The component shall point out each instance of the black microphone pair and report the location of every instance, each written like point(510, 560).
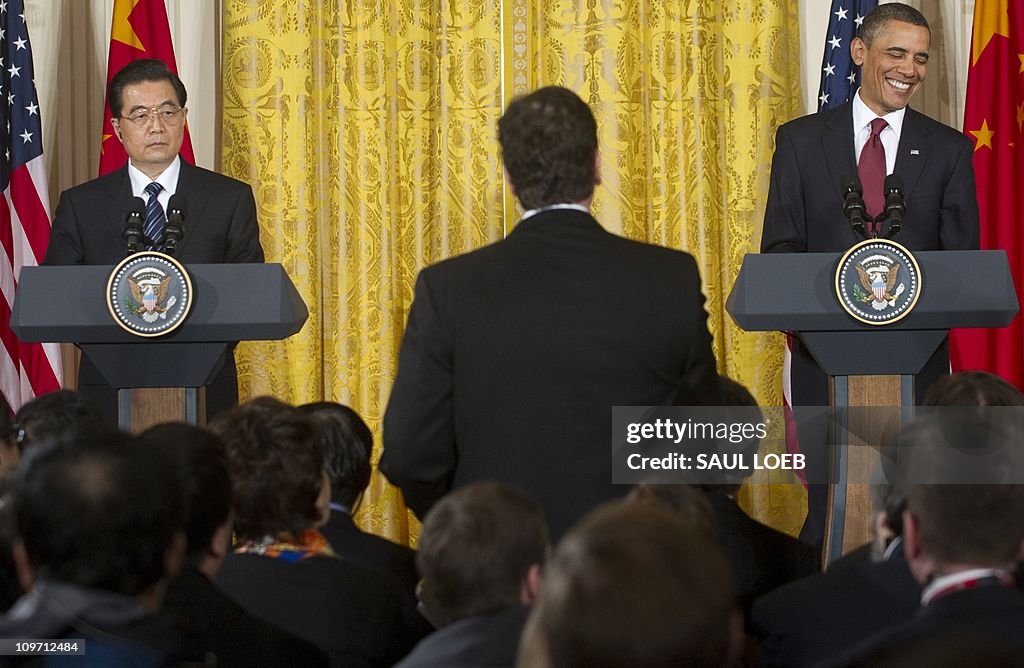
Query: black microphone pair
point(895, 205)
point(174, 231)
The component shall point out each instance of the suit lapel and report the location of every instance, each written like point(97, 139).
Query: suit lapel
point(838, 146)
point(190, 186)
point(912, 153)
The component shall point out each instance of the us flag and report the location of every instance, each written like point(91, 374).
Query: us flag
point(26, 369)
point(839, 76)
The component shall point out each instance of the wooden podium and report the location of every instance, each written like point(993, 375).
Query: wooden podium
point(232, 302)
point(869, 394)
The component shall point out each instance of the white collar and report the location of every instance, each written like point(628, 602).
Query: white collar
point(951, 581)
point(551, 207)
point(862, 116)
point(168, 178)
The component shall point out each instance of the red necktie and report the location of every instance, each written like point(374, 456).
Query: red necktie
point(871, 169)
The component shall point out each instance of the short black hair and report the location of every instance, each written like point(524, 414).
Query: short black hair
point(876, 20)
point(549, 144)
point(54, 414)
point(476, 547)
point(972, 388)
point(200, 461)
point(276, 465)
point(347, 443)
point(139, 71)
point(97, 511)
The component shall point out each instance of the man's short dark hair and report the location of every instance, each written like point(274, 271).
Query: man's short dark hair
point(97, 511)
point(139, 71)
point(876, 20)
point(276, 466)
point(476, 548)
point(53, 415)
point(347, 443)
point(200, 461)
point(549, 146)
point(972, 388)
point(632, 585)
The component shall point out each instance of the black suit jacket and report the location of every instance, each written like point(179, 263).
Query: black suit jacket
point(352, 613)
point(514, 355)
point(213, 624)
point(817, 617)
point(981, 627)
point(761, 557)
point(220, 223)
point(814, 155)
point(372, 551)
point(220, 226)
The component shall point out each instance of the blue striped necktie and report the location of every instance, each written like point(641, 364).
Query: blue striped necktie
point(155, 218)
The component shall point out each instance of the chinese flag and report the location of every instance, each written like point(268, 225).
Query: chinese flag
point(138, 30)
point(994, 118)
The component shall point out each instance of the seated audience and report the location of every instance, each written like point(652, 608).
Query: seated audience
point(962, 535)
point(282, 569)
point(481, 551)
point(632, 585)
point(98, 536)
point(347, 444)
point(216, 628)
point(52, 415)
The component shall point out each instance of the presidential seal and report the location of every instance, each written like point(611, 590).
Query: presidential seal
point(878, 282)
point(149, 294)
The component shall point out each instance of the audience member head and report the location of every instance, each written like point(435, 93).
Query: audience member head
point(54, 415)
point(740, 408)
point(9, 453)
point(199, 461)
point(972, 388)
point(96, 510)
point(690, 503)
point(347, 444)
point(480, 551)
point(632, 585)
point(549, 146)
point(887, 504)
point(964, 509)
point(277, 469)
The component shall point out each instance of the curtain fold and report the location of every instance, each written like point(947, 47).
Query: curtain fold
point(367, 129)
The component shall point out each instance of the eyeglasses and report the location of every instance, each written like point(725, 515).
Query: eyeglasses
point(167, 115)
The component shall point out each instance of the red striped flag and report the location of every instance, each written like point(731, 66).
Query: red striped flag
point(26, 369)
point(138, 30)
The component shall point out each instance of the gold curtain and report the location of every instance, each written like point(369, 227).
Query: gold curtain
point(367, 129)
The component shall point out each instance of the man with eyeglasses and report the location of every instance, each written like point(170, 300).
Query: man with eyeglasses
point(147, 105)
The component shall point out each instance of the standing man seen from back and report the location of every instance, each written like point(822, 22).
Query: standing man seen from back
point(514, 354)
point(862, 142)
point(147, 103)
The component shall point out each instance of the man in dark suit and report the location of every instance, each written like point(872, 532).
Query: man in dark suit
point(961, 541)
point(147, 103)
point(481, 553)
point(817, 154)
point(514, 354)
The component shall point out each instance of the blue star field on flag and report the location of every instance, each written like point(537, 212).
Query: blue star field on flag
point(840, 78)
point(22, 137)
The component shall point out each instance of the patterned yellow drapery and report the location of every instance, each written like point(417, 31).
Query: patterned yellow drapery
point(367, 129)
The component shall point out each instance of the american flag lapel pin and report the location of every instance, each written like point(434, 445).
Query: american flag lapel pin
point(914, 151)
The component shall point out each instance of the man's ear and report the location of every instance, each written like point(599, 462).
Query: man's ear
point(597, 168)
point(508, 180)
point(116, 124)
point(174, 555)
point(530, 589)
point(857, 49)
point(22, 565)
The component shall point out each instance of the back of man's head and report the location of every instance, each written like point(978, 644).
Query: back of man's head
point(972, 388)
point(476, 550)
point(549, 147)
point(98, 511)
point(632, 585)
point(53, 415)
point(200, 462)
point(347, 443)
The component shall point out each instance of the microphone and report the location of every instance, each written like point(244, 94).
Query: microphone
point(174, 231)
point(131, 230)
point(895, 204)
point(853, 205)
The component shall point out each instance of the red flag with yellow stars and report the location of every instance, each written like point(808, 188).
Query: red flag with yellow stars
point(138, 30)
point(994, 119)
